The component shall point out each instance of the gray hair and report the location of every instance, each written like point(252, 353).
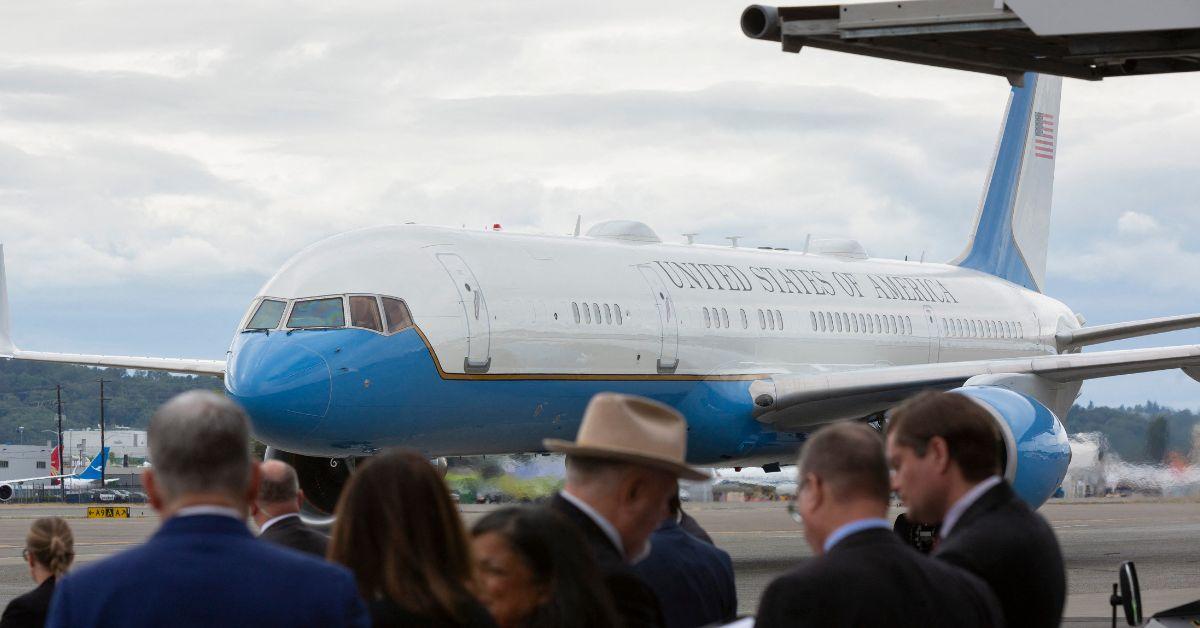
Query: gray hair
point(849, 458)
point(277, 483)
point(200, 443)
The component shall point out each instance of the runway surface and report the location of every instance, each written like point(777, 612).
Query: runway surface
point(1163, 538)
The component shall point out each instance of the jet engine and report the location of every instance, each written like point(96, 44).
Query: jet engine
point(1035, 442)
point(6, 492)
point(760, 22)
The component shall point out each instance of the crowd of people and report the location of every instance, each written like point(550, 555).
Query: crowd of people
point(612, 548)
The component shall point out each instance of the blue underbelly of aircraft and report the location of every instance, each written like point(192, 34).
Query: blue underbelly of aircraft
point(346, 392)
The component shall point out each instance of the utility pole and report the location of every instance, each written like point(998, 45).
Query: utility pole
point(104, 462)
point(62, 453)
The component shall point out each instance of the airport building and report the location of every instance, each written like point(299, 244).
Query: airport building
point(81, 445)
point(24, 461)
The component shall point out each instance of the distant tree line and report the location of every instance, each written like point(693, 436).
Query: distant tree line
point(1142, 433)
point(27, 397)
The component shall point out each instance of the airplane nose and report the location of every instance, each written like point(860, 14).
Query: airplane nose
point(284, 386)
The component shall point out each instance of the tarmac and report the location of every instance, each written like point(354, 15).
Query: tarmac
point(1096, 536)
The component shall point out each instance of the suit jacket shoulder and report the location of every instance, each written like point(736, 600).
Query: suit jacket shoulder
point(904, 588)
point(207, 570)
point(294, 533)
point(1012, 548)
point(29, 609)
point(632, 598)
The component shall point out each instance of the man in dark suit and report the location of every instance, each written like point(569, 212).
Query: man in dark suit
point(203, 567)
point(277, 510)
point(863, 575)
point(621, 469)
point(693, 579)
point(946, 452)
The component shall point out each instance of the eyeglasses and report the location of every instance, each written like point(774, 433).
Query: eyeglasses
point(25, 554)
point(794, 512)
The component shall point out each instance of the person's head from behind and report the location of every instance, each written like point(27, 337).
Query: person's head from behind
point(632, 497)
point(278, 491)
point(200, 450)
point(534, 569)
point(939, 446)
point(49, 548)
point(841, 476)
point(400, 533)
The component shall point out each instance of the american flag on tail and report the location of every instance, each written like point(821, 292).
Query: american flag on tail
point(1043, 135)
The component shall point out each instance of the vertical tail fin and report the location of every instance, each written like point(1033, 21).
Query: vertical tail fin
point(1012, 227)
point(92, 472)
point(6, 344)
point(55, 465)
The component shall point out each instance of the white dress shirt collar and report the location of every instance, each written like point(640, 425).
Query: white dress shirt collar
point(274, 520)
point(970, 497)
point(208, 509)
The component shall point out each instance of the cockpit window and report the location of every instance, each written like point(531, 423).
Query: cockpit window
point(267, 315)
point(364, 312)
point(326, 312)
point(398, 316)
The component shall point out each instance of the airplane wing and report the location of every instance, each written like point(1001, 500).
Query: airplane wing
point(1068, 340)
point(44, 477)
point(794, 402)
point(174, 365)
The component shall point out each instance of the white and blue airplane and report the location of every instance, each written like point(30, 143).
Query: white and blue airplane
point(85, 478)
point(459, 342)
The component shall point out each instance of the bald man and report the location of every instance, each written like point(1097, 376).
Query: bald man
point(277, 510)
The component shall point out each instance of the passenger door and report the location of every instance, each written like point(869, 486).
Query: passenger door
point(475, 309)
point(668, 353)
point(935, 335)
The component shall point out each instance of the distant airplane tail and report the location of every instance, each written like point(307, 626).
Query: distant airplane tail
point(1012, 227)
point(55, 465)
point(93, 470)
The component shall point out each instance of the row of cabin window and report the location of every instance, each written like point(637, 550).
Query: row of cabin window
point(719, 318)
point(861, 323)
point(967, 328)
point(591, 313)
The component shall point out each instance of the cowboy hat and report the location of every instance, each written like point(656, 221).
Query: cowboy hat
point(631, 429)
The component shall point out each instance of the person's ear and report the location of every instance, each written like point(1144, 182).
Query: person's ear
point(299, 500)
point(150, 482)
point(814, 492)
point(940, 450)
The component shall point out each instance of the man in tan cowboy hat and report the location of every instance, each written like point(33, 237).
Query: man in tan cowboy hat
point(621, 470)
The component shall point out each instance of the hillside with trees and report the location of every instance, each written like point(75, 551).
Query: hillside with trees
point(1142, 433)
point(27, 397)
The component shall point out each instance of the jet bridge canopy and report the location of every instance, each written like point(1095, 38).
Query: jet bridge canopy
point(1084, 39)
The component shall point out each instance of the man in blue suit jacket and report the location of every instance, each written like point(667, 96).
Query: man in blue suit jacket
point(692, 579)
point(203, 567)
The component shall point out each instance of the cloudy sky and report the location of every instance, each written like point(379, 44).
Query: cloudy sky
point(158, 160)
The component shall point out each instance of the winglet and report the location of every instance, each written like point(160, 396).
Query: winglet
point(6, 344)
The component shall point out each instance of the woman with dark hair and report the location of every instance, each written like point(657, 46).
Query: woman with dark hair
point(49, 550)
point(401, 535)
point(535, 571)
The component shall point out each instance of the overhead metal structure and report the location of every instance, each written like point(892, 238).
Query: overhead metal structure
point(1084, 39)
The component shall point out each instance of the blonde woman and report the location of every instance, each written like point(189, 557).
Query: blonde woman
point(49, 550)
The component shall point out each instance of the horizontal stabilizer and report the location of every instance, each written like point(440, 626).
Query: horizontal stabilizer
point(795, 402)
point(1085, 336)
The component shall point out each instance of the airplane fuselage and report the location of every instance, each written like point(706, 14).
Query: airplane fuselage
point(511, 334)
